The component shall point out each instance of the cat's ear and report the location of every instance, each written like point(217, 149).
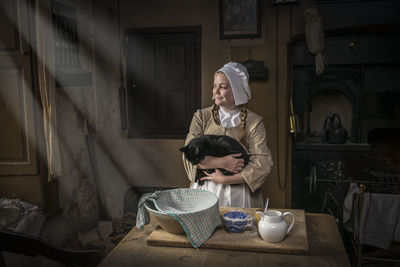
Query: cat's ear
point(182, 149)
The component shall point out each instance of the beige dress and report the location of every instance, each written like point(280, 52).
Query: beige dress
point(255, 173)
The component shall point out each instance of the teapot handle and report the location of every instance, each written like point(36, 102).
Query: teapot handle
point(261, 214)
point(291, 225)
point(338, 117)
point(326, 122)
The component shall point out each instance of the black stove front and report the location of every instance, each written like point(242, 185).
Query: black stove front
point(361, 84)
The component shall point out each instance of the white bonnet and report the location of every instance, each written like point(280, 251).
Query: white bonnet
point(238, 77)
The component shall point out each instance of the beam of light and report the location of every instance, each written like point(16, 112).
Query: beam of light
point(98, 52)
point(102, 57)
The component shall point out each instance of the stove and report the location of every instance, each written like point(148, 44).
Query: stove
point(361, 85)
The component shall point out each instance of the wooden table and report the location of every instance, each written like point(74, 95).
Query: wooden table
point(325, 249)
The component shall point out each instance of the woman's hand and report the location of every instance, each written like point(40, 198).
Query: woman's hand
point(230, 163)
point(219, 178)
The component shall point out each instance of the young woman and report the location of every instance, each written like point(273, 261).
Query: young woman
point(229, 116)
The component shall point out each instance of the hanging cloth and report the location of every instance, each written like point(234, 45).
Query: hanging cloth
point(46, 74)
point(314, 34)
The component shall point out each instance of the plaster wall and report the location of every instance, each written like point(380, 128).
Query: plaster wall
point(77, 186)
point(121, 162)
point(125, 162)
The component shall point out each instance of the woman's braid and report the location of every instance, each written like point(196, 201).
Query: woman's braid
point(242, 132)
point(215, 114)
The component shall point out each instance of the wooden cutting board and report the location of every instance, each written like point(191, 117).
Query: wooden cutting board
point(294, 243)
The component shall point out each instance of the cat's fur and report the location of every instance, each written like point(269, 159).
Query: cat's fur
point(212, 145)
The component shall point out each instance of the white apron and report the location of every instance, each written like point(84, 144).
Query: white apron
point(228, 195)
point(235, 195)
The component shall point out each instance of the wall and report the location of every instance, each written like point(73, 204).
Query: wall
point(100, 162)
point(127, 162)
point(77, 186)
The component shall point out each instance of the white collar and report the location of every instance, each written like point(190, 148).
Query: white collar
point(229, 118)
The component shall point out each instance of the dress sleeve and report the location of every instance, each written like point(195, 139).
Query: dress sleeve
point(259, 166)
point(195, 130)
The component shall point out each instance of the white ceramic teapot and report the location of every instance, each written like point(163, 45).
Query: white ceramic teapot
point(272, 226)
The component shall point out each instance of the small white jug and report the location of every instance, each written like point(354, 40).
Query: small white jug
point(272, 226)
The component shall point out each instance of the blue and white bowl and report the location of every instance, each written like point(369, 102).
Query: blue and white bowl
point(237, 221)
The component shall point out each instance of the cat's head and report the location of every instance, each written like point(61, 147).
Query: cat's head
point(194, 152)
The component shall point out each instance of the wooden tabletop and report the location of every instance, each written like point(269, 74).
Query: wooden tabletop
point(325, 249)
point(296, 242)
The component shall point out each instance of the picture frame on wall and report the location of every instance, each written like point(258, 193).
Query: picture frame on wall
point(239, 19)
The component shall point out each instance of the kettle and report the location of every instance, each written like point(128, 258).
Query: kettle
point(334, 132)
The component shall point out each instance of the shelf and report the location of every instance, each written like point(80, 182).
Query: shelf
point(346, 147)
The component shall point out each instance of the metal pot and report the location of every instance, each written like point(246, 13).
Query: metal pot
point(334, 132)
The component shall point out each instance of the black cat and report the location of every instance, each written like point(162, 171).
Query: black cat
point(212, 145)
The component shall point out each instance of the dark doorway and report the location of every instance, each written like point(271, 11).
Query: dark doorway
point(163, 80)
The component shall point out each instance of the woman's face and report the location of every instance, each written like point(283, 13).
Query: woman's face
point(222, 92)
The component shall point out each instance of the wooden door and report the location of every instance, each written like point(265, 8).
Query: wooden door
point(163, 79)
point(20, 175)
